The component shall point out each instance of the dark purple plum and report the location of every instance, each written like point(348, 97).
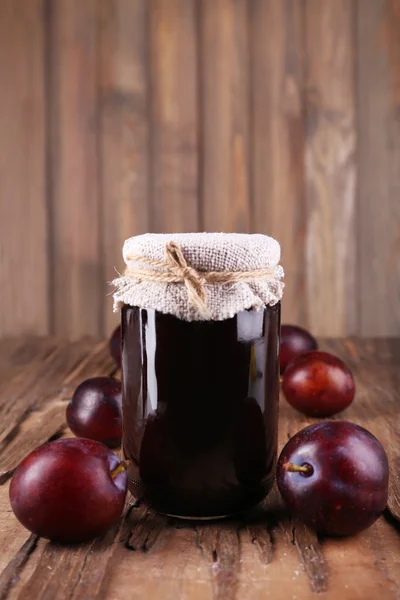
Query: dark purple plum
point(95, 411)
point(69, 490)
point(334, 477)
point(294, 341)
point(318, 384)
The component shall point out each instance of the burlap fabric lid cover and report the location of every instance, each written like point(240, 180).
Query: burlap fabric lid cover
point(250, 262)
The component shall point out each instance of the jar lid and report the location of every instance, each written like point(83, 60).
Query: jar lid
point(200, 276)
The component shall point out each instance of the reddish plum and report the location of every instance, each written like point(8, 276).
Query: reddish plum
point(334, 477)
point(95, 411)
point(318, 384)
point(294, 341)
point(115, 346)
point(69, 490)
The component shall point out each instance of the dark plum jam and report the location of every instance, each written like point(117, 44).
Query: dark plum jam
point(200, 410)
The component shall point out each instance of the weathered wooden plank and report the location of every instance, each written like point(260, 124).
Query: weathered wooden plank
point(21, 379)
point(35, 430)
point(309, 548)
point(57, 573)
point(277, 140)
point(220, 546)
point(124, 135)
point(174, 116)
point(261, 536)
point(45, 394)
point(74, 222)
point(167, 561)
point(224, 59)
point(74, 572)
point(23, 239)
point(13, 543)
point(172, 568)
point(378, 90)
point(38, 383)
point(17, 352)
point(96, 565)
point(282, 574)
point(365, 565)
point(332, 288)
point(383, 543)
point(10, 574)
point(144, 527)
point(266, 554)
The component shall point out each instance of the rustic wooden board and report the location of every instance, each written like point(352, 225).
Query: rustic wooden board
point(330, 166)
point(33, 404)
point(277, 140)
point(24, 273)
point(74, 213)
point(124, 133)
point(264, 554)
point(378, 88)
point(40, 381)
point(16, 354)
point(173, 193)
point(225, 118)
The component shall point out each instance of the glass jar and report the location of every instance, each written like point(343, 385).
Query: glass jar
point(200, 410)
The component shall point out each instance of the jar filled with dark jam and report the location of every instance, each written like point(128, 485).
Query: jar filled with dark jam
point(200, 409)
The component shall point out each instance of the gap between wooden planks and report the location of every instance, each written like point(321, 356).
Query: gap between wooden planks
point(261, 555)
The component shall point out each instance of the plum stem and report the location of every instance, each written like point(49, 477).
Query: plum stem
point(292, 468)
point(119, 469)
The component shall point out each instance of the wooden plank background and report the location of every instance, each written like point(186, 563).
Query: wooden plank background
point(125, 116)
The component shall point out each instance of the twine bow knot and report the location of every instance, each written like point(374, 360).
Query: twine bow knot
point(193, 280)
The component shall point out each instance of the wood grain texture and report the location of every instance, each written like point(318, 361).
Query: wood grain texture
point(261, 536)
point(16, 354)
point(330, 166)
point(263, 554)
point(14, 543)
point(39, 382)
point(33, 407)
point(277, 140)
point(310, 551)
point(125, 116)
point(224, 83)
point(124, 133)
point(10, 574)
point(374, 572)
point(60, 573)
point(221, 547)
point(144, 528)
point(378, 89)
point(174, 116)
point(36, 429)
point(23, 227)
point(76, 301)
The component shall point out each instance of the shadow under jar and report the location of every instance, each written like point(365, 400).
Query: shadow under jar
point(200, 410)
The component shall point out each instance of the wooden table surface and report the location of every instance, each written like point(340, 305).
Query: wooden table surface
point(260, 555)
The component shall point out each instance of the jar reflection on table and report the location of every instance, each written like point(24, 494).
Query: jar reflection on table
point(200, 410)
